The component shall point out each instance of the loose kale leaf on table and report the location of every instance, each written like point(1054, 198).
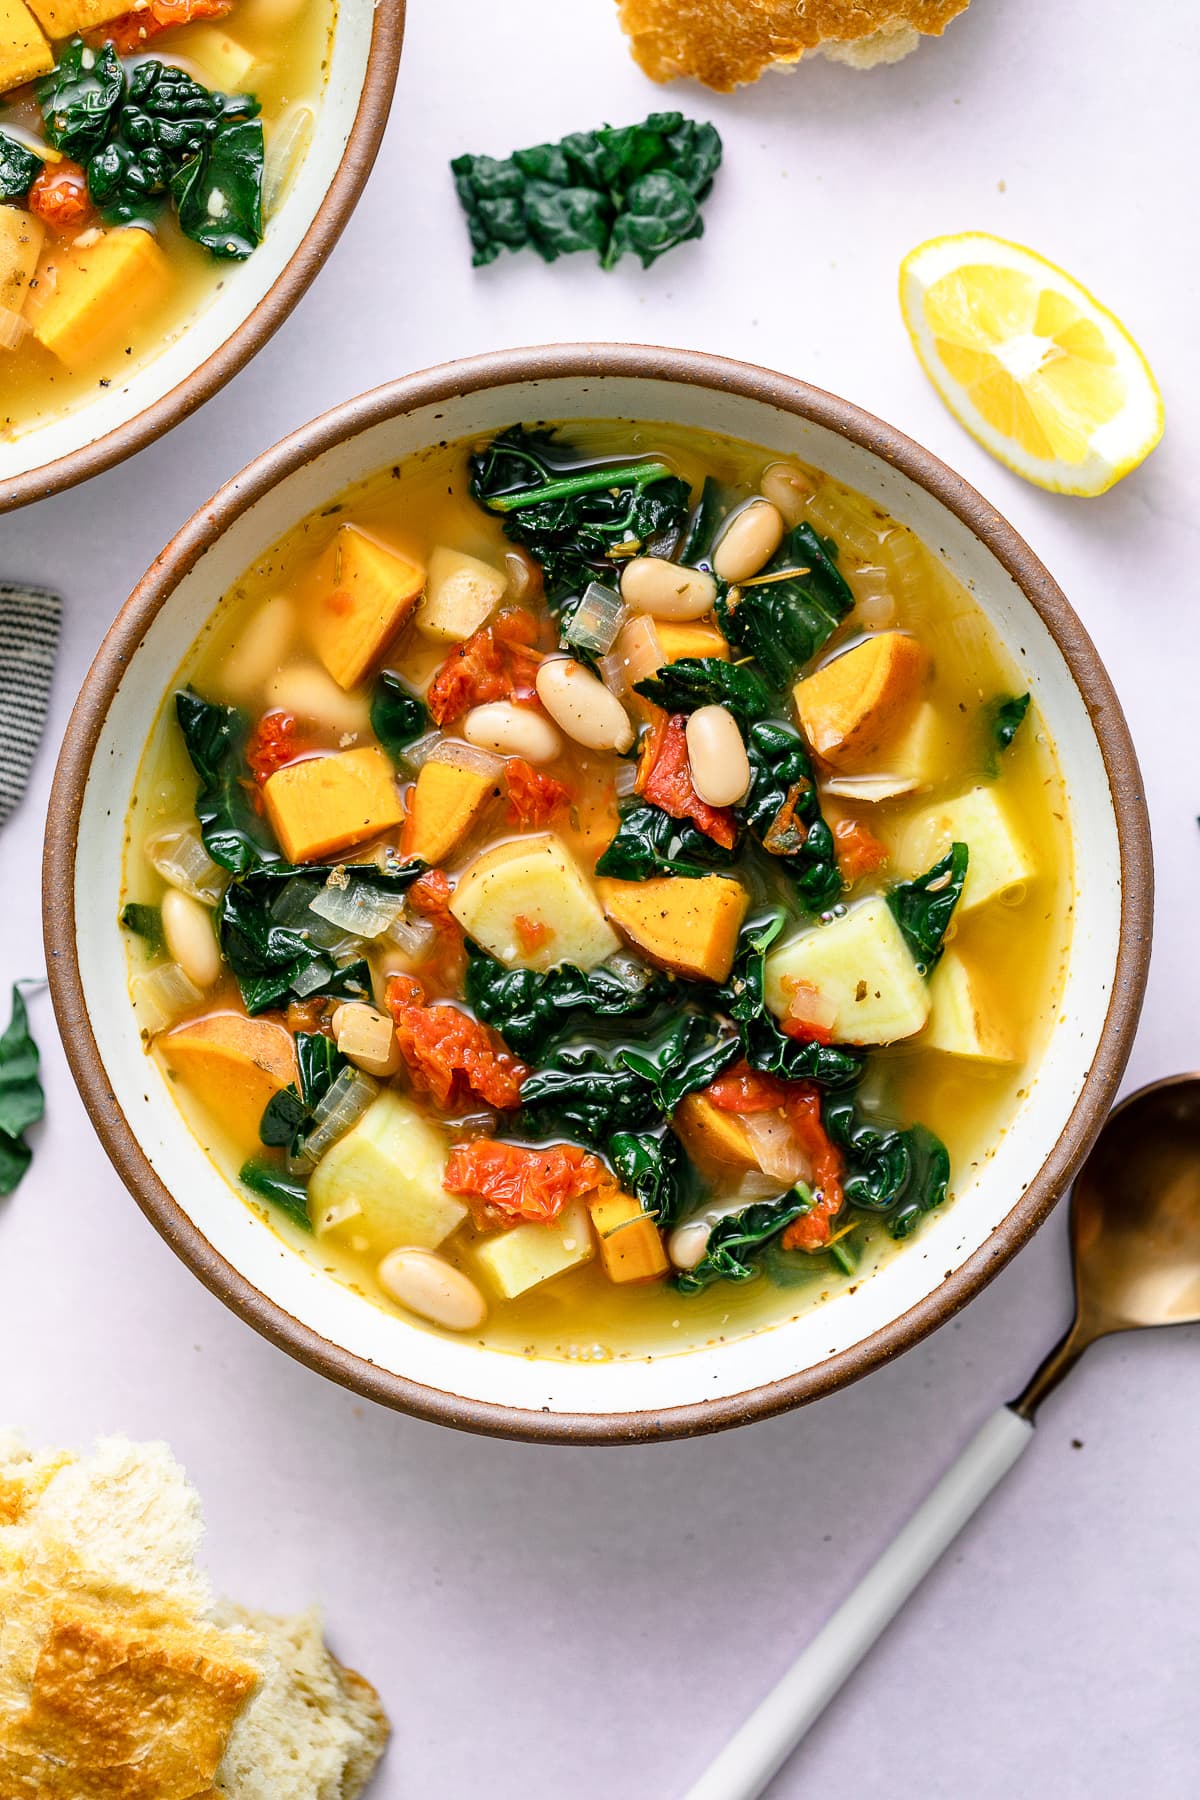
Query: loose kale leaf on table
point(22, 1101)
point(398, 716)
point(634, 188)
point(783, 622)
point(568, 513)
point(737, 1241)
point(900, 1173)
point(215, 737)
point(695, 681)
point(923, 908)
point(650, 842)
point(530, 1010)
point(783, 811)
point(19, 168)
point(288, 1116)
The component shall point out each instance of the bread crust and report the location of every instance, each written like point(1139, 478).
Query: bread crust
point(724, 43)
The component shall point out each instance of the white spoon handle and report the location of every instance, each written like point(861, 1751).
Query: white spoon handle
point(773, 1730)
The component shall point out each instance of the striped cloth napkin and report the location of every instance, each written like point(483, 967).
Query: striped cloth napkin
point(29, 625)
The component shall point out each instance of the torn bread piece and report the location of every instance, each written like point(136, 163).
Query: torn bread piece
point(120, 1676)
point(724, 43)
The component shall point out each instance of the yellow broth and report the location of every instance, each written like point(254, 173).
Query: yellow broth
point(287, 44)
point(1020, 939)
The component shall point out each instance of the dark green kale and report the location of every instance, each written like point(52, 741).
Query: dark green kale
point(570, 514)
point(1002, 718)
point(650, 842)
point(695, 681)
point(165, 121)
point(737, 1241)
point(269, 957)
point(593, 1094)
point(80, 99)
point(398, 716)
point(764, 1046)
point(780, 618)
point(218, 192)
point(532, 1010)
point(215, 737)
point(652, 1166)
point(636, 188)
point(697, 544)
point(288, 1117)
point(19, 168)
point(145, 922)
point(783, 811)
point(688, 1054)
point(923, 908)
point(901, 1173)
point(270, 1182)
point(22, 1101)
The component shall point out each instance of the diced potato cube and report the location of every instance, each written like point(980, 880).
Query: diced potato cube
point(63, 18)
point(386, 1174)
point(445, 802)
point(688, 926)
point(233, 1065)
point(860, 964)
point(86, 299)
point(852, 706)
point(367, 1037)
point(327, 804)
point(715, 1139)
point(459, 594)
point(678, 639)
point(362, 593)
point(21, 238)
point(24, 51)
point(964, 1020)
point(919, 752)
point(631, 1248)
point(527, 1255)
point(530, 905)
point(1000, 859)
point(224, 63)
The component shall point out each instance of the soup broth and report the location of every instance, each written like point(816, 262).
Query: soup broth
point(105, 258)
point(890, 1004)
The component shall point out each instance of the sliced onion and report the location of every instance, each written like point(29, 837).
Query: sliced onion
point(161, 996)
point(461, 755)
point(180, 858)
point(13, 328)
point(775, 1148)
point(417, 754)
point(853, 529)
point(357, 907)
point(625, 779)
point(870, 788)
point(639, 650)
point(289, 144)
point(597, 620)
point(345, 1103)
point(312, 978)
point(412, 936)
point(876, 612)
point(290, 908)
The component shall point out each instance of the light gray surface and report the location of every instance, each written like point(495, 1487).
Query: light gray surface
point(552, 1623)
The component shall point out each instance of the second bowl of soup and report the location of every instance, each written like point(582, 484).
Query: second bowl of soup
point(599, 900)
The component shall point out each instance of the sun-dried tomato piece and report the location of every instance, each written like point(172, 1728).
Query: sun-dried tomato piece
point(858, 850)
point(745, 1090)
point(450, 1055)
point(133, 29)
point(812, 1230)
point(533, 798)
point(497, 663)
point(507, 1183)
point(274, 743)
point(429, 897)
point(59, 197)
point(665, 780)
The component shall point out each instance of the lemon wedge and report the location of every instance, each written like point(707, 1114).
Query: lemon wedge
point(1035, 368)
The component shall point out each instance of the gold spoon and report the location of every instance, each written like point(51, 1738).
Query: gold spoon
point(1135, 1244)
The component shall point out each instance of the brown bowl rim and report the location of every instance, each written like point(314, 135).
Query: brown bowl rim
point(248, 338)
point(583, 362)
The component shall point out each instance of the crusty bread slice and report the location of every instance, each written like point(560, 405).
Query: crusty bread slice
point(121, 1679)
point(724, 43)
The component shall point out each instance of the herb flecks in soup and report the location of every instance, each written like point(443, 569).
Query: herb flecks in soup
point(140, 151)
point(599, 889)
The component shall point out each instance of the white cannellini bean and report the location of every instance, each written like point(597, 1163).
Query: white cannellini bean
point(366, 1037)
point(308, 692)
point(666, 590)
point(582, 705)
point(717, 757)
point(260, 648)
point(512, 731)
point(749, 541)
point(188, 929)
point(789, 487)
point(687, 1243)
point(433, 1289)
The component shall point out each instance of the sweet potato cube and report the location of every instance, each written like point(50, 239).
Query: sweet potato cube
point(62, 18)
point(679, 639)
point(631, 1248)
point(24, 51)
point(851, 708)
point(362, 594)
point(715, 1139)
point(86, 299)
point(443, 806)
point(21, 238)
point(688, 926)
point(327, 804)
point(233, 1065)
